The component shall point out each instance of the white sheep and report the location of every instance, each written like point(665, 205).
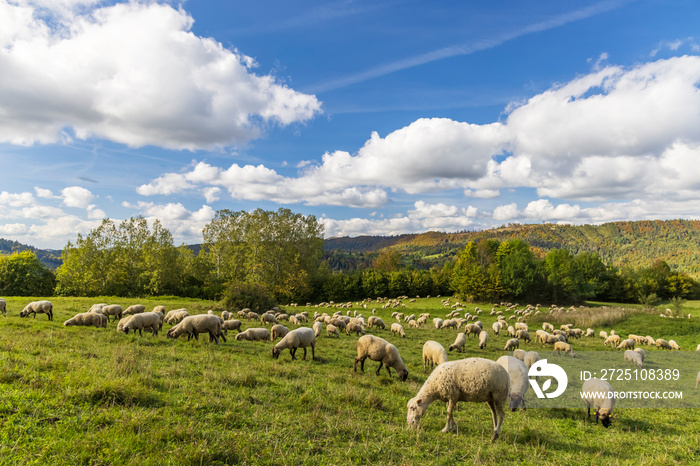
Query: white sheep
point(355, 326)
point(697, 380)
point(603, 334)
point(496, 326)
point(483, 339)
point(523, 335)
point(614, 340)
point(470, 329)
point(135, 309)
point(597, 393)
point(3, 306)
point(279, 331)
point(175, 316)
point(673, 345)
point(112, 310)
point(437, 322)
point(511, 344)
point(331, 330)
point(38, 307)
point(565, 347)
point(231, 324)
point(460, 340)
point(122, 322)
point(634, 357)
point(143, 321)
point(269, 318)
point(519, 354)
point(202, 323)
point(97, 308)
point(317, 327)
point(378, 349)
point(475, 380)
point(531, 358)
point(398, 329)
point(662, 344)
point(626, 344)
point(434, 354)
point(254, 334)
point(301, 337)
point(519, 382)
point(375, 321)
point(88, 319)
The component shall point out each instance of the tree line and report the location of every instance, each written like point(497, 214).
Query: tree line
point(262, 258)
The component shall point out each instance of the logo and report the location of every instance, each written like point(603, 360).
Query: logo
point(542, 369)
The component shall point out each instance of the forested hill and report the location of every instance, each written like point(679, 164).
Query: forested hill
point(635, 244)
point(49, 257)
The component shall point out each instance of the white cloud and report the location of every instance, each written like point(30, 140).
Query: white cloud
point(506, 212)
point(16, 199)
point(211, 194)
point(13, 229)
point(45, 193)
point(133, 73)
point(95, 213)
point(76, 196)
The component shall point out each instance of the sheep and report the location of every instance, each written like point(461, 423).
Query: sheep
point(434, 354)
point(459, 342)
point(268, 318)
point(135, 309)
point(483, 339)
point(3, 306)
point(603, 334)
point(355, 326)
point(87, 318)
point(512, 344)
point(519, 354)
point(140, 321)
point(232, 324)
point(546, 326)
point(97, 308)
point(398, 329)
point(472, 329)
point(474, 380)
point(511, 331)
point(254, 334)
point(590, 333)
point(194, 325)
point(378, 349)
point(317, 327)
point(523, 335)
point(122, 322)
point(226, 315)
point(614, 340)
point(496, 327)
point(176, 316)
point(596, 393)
point(437, 322)
point(301, 337)
point(698, 348)
point(253, 315)
point(641, 352)
point(114, 310)
point(160, 309)
point(662, 344)
point(375, 321)
point(697, 380)
point(519, 382)
point(531, 358)
point(673, 345)
point(38, 307)
point(449, 323)
point(338, 323)
point(331, 330)
point(634, 357)
point(626, 344)
point(565, 347)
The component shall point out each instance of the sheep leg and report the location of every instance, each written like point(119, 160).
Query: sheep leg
point(380, 367)
point(304, 358)
point(497, 414)
point(451, 425)
point(293, 351)
point(358, 359)
point(313, 356)
point(221, 335)
point(140, 334)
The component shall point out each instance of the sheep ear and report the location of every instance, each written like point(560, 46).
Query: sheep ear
point(419, 401)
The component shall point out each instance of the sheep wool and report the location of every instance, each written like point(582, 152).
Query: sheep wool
point(355, 326)
point(459, 343)
point(474, 380)
point(135, 309)
point(519, 383)
point(232, 324)
point(331, 330)
point(398, 329)
point(596, 393)
point(511, 344)
point(434, 354)
point(378, 349)
point(317, 326)
point(634, 357)
point(301, 337)
point(143, 321)
point(483, 339)
point(254, 334)
point(87, 319)
point(38, 307)
point(112, 310)
point(202, 323)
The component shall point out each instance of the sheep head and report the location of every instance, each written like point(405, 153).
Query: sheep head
point(416, 409)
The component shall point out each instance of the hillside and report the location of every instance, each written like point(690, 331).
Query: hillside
point(49, 257)
point(635, 244)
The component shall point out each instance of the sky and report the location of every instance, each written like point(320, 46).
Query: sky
point(377, 117)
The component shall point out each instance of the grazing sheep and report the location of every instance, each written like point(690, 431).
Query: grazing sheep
point(511, 331)
point(531, 358)
point(176, 316)
point(511, 344)
point(459, 342)
point(472, 329)
point(88, 319)
point(614, 340)
point(496, 326)
point(97, 308)
point(626, 344)
point(253, 315)
point(437, 322)
point(698, 348)
point(331, 330)
point(634, 357)
point(317, 327)
point(231, 324)
point(301, 337)
point(112, 310)
point(673, 345)
point(565, 347)
point(603, 334)
point(519, 354)
point(278, 331)
point(434, 354)
point(3, 306)
point(226, 315)
point(145, 320)
point(268, 318)
point(355, 326)
point(596, 393)
point(135, 309)
point(254, 334)
point(519, 382)
point(194, 325)
point(398, 329)
point(546, 326)
point(38, 307)
point(641, 352)
point(590, 333)
point(375, 321)
point(474, 380)
point(523, 335)
point(378, 349)
point(483, 339)
point(662, 344)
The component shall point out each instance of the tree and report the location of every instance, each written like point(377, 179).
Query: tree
point(22, 274)
point(516, 267)
point(388, 260)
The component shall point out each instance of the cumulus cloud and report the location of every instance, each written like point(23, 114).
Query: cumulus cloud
point(76, 196)
point(133, 73)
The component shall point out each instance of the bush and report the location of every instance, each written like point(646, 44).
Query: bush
point(240, 295)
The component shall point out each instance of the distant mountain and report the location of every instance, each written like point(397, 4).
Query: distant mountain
point(49, 257)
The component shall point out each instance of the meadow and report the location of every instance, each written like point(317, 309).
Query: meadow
point(82, 395)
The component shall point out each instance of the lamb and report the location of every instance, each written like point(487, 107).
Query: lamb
point(194, 325)
point(87, 318)
point(596, 393)
point(38, 307)
point(434, 354)
point(512, 344)
point(254, 334)
point(603, 334)
point(176, 316)
point(135, 309)
point(662, 344)
point(634, 357)
point(114, 310)
point(3, 306)
point(232, 324)
point(375, 321)
point(141, 321)
point(483, 339)
point(301, 337)
point(626, 344)
point(673, 345)
point(519, 383)
point(355, 326)
point(459, 342)
point(331, 330)
point(565, 347)
point(474, 380)
point(398, 329)
point(378, 349)
point(317, 327)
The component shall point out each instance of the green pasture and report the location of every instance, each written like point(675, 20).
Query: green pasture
point(81, 395)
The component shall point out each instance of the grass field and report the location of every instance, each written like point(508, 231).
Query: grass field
point(81, 395)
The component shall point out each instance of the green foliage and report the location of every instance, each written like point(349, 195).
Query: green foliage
point(22, 274)
point(241, 295)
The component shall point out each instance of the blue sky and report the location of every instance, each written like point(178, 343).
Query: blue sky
point(378, 117)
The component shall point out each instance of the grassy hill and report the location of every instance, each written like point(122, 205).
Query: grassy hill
point(49, 257)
